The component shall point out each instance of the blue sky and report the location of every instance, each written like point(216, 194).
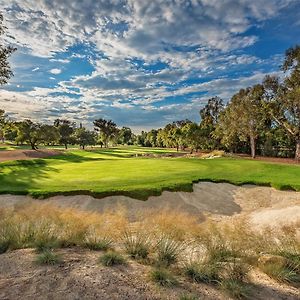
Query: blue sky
point(140, 63)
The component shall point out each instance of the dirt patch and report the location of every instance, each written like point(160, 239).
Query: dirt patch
point(262, 205)
point(81, 277)
point(27, 154)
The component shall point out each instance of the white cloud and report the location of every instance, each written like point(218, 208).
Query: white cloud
point(35, 69)
point(55, 71)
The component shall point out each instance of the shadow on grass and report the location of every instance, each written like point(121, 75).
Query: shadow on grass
point(18, 177)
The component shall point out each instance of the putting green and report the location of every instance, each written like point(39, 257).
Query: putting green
point(119, 171)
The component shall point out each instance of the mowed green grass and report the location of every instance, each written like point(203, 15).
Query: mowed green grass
point(119, 171)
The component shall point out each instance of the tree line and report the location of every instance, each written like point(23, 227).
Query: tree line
point(263, 118)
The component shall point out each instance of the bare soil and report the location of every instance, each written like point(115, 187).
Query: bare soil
point(80, 276)
point(27, 154)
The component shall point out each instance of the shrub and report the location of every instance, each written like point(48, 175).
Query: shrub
point(112, 258)
point(163, 277)
point(48, 257)
point(137, 245)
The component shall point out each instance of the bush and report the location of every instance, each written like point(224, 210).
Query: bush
point(112, 258)
point(137, 245)
point(48, 257)
point(163, 277)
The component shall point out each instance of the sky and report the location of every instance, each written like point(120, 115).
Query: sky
point(141, 63)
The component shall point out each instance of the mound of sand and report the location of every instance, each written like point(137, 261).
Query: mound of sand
point(263, 205)
point(27, 154)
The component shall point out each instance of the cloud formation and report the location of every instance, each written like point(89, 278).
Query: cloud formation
point(136, 61)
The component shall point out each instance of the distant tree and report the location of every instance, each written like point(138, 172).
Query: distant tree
point(245, 116)
point(283, 99)
point(210, 115)
point(107, 130)
point(49, 134)
point(30, 133)
point(84, 137)
point(125, 136)
point(2, 124)
point(151, 138)
point(193, 136)
point(66, 129)
point(5, 52)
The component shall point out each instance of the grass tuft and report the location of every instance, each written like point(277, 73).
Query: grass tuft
point(163, 277)
point(235, 288)
point(168, 251)
point(48, 257)
point(112, 258)
point(137, 245)
point(98, 244)
point(202, 272)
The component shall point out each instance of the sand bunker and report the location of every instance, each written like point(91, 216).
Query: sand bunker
point(27, 154)
point(263, 205)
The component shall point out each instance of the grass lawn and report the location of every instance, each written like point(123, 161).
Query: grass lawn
point(118, 171)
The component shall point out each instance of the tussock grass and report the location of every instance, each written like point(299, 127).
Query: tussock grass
point(235, 288)
point(111, 259)
point(213, 253)
point(137, 244)
point(163, 277)
point(48, 257)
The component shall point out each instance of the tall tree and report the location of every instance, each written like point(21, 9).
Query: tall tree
point(30, 133)
point(5, 52)
point(210, 115)
point(283, 99)
point(84, 137)
point(2, 124)
point(106, 128)
point(245, 116)
point(66, 129)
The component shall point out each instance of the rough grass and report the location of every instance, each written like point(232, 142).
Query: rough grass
point(118, 171)
point(111, 259)
point(219, 254)
point(48, 257)
point(163, 277)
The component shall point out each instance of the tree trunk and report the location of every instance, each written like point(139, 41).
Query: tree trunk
point(66, 146)
point(297, 154)
point(177, 148)
point(252, 145)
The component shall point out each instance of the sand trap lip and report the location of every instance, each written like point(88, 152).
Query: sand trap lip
point(27, 154)
point(263, 205)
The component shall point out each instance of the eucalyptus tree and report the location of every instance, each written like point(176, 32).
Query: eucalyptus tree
point(283, 98)
point(107, 130)
point(5, 52)
point(245, 116)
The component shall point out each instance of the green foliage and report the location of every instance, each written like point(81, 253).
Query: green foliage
point(163, 277)
point(112, 258)
point(48, 257)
